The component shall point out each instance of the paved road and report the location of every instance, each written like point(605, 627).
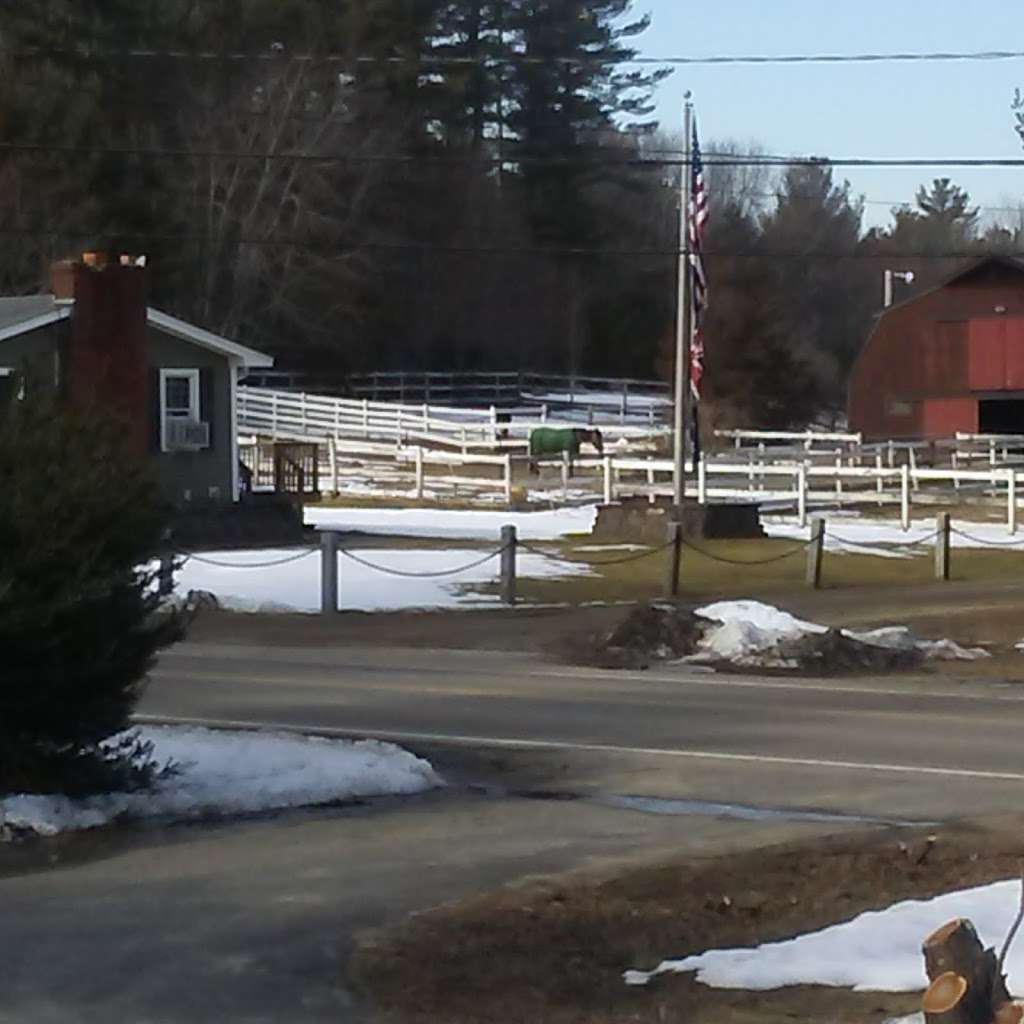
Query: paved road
point(252, 921)
point(894, 746)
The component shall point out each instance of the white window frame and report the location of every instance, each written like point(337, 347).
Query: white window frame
point(192, 376)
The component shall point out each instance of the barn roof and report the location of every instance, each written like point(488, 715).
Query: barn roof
point(1009, 262)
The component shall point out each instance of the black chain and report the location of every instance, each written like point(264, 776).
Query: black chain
point(422, 575)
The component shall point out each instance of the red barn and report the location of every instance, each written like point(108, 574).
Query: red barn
point(949, 359)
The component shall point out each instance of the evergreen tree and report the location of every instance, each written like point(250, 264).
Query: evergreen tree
point(79, 522)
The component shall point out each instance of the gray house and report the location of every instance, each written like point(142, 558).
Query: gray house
point(96, 339)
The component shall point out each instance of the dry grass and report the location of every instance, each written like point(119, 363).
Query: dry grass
point(554, 951)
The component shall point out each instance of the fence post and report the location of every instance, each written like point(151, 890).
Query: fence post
point(419, 472)
point(814, 552)
point(801, 493)
point(302, 408)
point(508, 564)
point(609, 491)
point(328, 572)
point(942, 546)
point(912, 458)
point(702, 481)
point(879, 482)
point(565, 476)
point(494, 425)
point(892, 455)
point(1011, 501)
point(366, 417)
point(508, 478)
point(273, 414)
point(675, 533)
point(839, 476)
point(905, 497)
point(165, 575)
point(332, 452)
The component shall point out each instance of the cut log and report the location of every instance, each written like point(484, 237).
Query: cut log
point(945, 1001)
point(955, 948)
point(1008, 1013)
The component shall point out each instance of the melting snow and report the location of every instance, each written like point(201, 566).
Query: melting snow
point(240, 772)
point(877, 951)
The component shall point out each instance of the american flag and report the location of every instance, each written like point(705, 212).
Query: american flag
point(697, 220)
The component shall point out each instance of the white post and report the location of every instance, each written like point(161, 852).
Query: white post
point(508, 479)
point(398, 425)
point(565, 476)
point(760, 456)
point(332, 452)
point(913, 466)
point(801, 493)
point(839, 476)
point(702, 481)
point(494, 425)
point(905, 497)
point(366, 417)
point(273, 414)
point(302, 407)
point(955, 460)
point(892, 455)
point(1011, 501)
point(544, 413)
point(879, 482)
point(419, 471)
point(609, 495)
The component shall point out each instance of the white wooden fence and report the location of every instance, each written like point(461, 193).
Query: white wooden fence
point(298, 416)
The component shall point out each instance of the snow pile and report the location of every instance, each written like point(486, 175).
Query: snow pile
point(753, 634)
point(220, 772)
point(470, 524)
point(241, 581)
point(878, 951)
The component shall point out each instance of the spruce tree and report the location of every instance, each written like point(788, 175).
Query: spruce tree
point(80, 520)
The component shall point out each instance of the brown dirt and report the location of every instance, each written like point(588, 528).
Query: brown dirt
point(554, 950)
point(971, 613)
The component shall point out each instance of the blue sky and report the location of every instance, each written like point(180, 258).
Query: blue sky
point(955, 109)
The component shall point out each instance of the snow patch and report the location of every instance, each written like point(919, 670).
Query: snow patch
point(878, 951)
point(294, 586)
point(468, 524)
point(223, 773)
point(749, 632)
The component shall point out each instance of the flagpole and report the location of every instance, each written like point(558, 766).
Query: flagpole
point(683, 312)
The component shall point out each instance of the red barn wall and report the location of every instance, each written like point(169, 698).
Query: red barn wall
point(922, 369)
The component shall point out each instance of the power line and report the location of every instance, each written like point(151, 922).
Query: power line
point(507, 159)
point(283, 241)
point(209, 56)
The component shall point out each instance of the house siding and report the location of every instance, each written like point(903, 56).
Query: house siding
point(202, 476)
point(35, 354)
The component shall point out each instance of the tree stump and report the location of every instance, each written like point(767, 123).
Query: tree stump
point(953, 954)
point(945, 1001)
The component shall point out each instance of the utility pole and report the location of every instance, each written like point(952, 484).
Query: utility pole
point(683, 311)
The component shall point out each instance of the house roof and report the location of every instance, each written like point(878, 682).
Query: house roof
point(30, 312)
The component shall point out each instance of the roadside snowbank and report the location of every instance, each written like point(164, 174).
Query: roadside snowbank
point(750, 633)
point(242, 582)
point(878, 951)
point(224, 773)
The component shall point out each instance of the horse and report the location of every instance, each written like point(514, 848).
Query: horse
point(550, 441)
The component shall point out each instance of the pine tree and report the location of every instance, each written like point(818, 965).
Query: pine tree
point(79, 622)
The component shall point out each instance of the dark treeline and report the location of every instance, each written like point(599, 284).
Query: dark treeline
point(474, 185)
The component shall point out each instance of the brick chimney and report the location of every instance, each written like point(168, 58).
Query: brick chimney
point(105, 358)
